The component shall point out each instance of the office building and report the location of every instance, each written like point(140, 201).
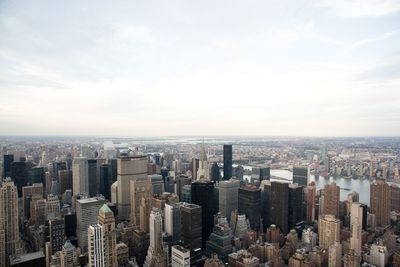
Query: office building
point(335, 255)
point(380, 202)
point(191, 224)
point(56, 234)
point(7, 160)
point(311, 198)
point(87, 210)
point(228, 196)
point(107, 221)
point(65, 180)
point(180, 256)
point(227, 162)
point(156, 256)
point(52, 207)
point(202, 193)
point(157, 184)
point(280, 205)
point(172, 215)
point(19, 174)
point(80, 175)
point(395, 197)
point(220, 240)
point(140, 199)
point(295, 205)
point(331, 199)
point(95, 241)
point(215, 172)
point(265, 173)
point(105, 181)
point(356, 220)
point(129, 169)
point(93, 177)
point(249, 203)
point(9, 232)
point(27, 193)
point(328, 230)
point(195, 167)
point(181, 181)
point(38, 175)
point(300, 175)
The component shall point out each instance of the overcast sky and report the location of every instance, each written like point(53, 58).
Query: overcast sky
point(151, 68)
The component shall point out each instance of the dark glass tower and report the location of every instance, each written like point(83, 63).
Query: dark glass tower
point(250, 204)
point(215, 175)
point(280, 205)
point(202, 194)
point(227, 162)
point(105, 181)
point(19, 174)
point(93, 177)
point(38, 175)
point(7, 160)
point(266, 205)
point(295, 205)
point(300, 175)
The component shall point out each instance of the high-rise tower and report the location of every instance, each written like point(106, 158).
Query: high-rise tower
point(155, 255)
point(380, 202)
point(129, 169)
point(227, 162)
point(107, 221)
point(331, 199)
point(356, 219)
point(9, 235)
point(95, 236)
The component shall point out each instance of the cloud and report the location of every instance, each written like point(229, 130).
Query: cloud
point(368, 41)
point(361, 8)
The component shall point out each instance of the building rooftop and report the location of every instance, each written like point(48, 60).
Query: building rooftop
point(26, 257)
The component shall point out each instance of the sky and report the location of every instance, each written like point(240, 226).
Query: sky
point(169, 68)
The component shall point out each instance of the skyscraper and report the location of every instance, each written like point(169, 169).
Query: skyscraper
point(19, 174)
point(280, 205)
point(331, 199)
point(95, 241)
point(105, 181)
point(129, 169)
point(7, 160)
point(227, 162)
point(180, 256)
point(295, 212)
point(93, 177)
point(356, 220)
point(191, 224)
point(156, 256)
point(395, 197)
point(107, 221)
point(87, 210)
point(57, 234)
point(328, 230)
point(300, 175)
point(202, 194)
point(249, 204)
point(311, 195)
point(195, 167)
point(380, 202)
point(80, 175)
point(9, 235)
point(215, 174)
point(172, 215)
point(228, 196)
point(140, 193)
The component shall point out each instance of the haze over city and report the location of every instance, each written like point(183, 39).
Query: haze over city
point(155, 68)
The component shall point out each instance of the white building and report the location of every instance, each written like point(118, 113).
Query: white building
point(180, 256)
point(96, 246)
point(356, 217)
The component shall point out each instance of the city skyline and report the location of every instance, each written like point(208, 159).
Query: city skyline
point(276, 68)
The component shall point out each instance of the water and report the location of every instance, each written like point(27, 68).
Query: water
point(361, 186)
